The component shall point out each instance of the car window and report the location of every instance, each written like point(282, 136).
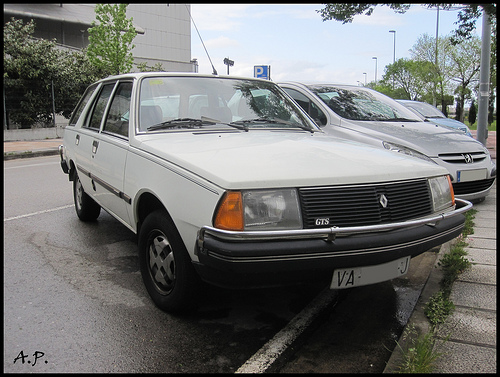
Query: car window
point(362, 104)
point(100, 106)
point(424, 109)
point(310, 107)
point(81, 105)
point(118, 116)
point(183, 102)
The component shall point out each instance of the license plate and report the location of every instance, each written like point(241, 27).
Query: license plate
point(471, 175)
point(358, 276)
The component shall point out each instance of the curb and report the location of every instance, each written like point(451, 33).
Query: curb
point(418, 319)
point(29, 154)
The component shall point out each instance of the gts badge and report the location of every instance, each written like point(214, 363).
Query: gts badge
point(323, 221)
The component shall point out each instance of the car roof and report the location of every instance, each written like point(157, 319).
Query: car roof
point(139, 75)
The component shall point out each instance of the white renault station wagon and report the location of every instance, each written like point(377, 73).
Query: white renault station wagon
point(227, 180)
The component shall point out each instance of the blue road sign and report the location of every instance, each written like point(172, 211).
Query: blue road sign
point(262, 72)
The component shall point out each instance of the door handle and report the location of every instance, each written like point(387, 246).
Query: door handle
point(95, 144)
point(77, 140)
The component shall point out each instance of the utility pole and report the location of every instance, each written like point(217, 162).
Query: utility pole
point(484, 81)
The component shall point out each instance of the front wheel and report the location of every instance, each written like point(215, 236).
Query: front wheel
point(86, 208)
point(165, 264)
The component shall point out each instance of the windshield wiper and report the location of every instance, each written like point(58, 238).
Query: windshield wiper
point(401, 120)
point(232, 124)
point(179, 122)
point(275, 121)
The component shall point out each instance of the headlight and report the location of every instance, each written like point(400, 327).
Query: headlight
point(442, 192)
point(408, 151)
point(259, 210)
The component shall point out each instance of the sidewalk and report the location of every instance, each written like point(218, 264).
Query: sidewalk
point(36, 148)
point(471, 347)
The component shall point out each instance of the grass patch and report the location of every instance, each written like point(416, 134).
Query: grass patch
point(419, 357)
point(491, 127)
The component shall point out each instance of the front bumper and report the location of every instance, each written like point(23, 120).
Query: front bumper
point(281, 257)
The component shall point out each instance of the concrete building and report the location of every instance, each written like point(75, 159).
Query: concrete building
point(163, 30)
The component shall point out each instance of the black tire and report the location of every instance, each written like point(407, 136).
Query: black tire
point(86, 208)
point(166, 267)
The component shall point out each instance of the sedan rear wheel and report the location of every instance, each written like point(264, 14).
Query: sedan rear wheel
point(86, 208)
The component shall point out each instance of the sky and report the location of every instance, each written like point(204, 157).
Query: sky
point(299, 46)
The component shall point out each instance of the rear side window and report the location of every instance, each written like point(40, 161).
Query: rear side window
point(119, 111)
point(81, 105)
point(100, 106)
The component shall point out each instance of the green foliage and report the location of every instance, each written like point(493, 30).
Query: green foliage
point(421, 352)
point(410, 79)
point(345, 12)
point(110, 40)
point(438, 308)
point(143, 67)
point(467, 16)
point(420, 355)
point(455, 262)
point(33, 68)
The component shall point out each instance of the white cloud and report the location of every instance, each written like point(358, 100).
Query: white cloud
point(221, 42)
point(218, 17)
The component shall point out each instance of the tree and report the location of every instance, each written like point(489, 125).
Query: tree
point(457, 70)
point(467, 16)
point(413, 78)
point(34, 69)
point(466, 59)
point(425, 50)
point(110, 41)
point(472, 113)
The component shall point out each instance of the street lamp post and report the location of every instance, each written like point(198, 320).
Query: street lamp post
point(375, 69)
point(393, 54)
point(364, 73)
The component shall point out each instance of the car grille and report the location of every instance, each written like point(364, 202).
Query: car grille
point(472, 187)
point(359, 205)
point(462, 158)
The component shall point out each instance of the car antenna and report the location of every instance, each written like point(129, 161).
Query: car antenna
point(214, 71)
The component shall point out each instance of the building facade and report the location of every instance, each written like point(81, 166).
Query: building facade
point(163, 30)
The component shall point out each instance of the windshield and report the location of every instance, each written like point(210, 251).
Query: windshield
point(424, 109)
point(362, 104)
point(216, 103)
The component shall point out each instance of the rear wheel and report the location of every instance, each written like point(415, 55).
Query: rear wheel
point(86, 208)
point(166, 267)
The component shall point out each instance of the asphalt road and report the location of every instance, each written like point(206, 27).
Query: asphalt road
point(74, 300)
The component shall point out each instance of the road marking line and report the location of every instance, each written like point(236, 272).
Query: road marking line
point(267, 356)
point(38, 213)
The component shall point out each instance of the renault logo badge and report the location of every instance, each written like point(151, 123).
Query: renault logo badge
point(383, 201)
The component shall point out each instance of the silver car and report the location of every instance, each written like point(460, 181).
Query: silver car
point(430, 113)
point(365, 115)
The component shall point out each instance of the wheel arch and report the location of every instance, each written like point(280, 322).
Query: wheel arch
point(148, 203)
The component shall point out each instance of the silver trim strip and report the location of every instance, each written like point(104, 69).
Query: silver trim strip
point(327, 233)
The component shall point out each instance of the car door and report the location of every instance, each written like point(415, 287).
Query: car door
point(109, 150)
point(82, 135)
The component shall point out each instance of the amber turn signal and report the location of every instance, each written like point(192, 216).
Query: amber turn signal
point(230, 213)
point(451, 190)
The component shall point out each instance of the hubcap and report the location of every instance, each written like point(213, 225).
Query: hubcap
point(79, 193)
point(162, 264)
